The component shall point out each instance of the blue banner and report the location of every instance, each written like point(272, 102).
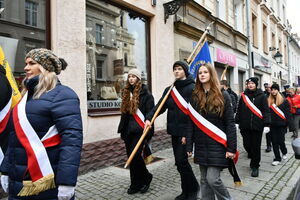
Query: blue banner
point(202, 57)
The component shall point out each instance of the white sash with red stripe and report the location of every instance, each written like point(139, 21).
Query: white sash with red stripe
point(4, 115)
point(180, 101)
point(38, 162)
point(139, 118)
point(251, 106)
point(207, 127)
point(278, 111)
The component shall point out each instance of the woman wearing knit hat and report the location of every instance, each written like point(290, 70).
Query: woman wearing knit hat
point(253, 118)
point(137, 102)
point(281, 117)
point(45, 128)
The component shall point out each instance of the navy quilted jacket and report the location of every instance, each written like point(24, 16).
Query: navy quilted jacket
point(59, 107)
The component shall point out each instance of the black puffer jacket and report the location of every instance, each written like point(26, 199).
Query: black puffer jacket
point(5, 95)
point(209, 152)
point(176, 120)
point(277, 121)
point(249, 121)
point(128, 125)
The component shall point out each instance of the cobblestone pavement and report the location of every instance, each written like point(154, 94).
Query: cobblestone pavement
point(274, 182)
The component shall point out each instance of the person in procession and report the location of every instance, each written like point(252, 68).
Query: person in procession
point(5, 105)
point(267, 92)
point(294, 100)
point(211, 109)
point(137, 101)
point(280, 118)
point(45, 134)
point(234, 98)
point(253, 119)
point(177, 121)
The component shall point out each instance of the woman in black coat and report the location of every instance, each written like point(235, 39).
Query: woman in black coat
point(137, 101)
point(211, 152)
point(281, 117)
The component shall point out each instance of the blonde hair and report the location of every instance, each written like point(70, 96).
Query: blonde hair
point(277, 100)
point(214, 101)
point(47, 81)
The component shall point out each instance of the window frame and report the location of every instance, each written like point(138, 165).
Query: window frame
point(31, 13)
point(113, 111)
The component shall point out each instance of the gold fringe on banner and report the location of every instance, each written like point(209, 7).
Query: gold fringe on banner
point(34, 188)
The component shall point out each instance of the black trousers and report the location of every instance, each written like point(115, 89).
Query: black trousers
point(139, 175)
point(189, 183)
point(268, 139)
point(278, 138)
point(252, 144)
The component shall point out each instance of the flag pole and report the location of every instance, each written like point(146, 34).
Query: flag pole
point(199, 44)
point(145, 132)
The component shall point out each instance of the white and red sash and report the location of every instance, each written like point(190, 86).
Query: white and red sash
point(207, 127)
point(251, 106)
point(278, 111)
point(4, 115)
point(180, 101)
point(38, 162)
point(139, 118)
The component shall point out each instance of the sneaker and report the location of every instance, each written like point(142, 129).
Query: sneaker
point(284, 157)
point(275, 163)
point(254, 172)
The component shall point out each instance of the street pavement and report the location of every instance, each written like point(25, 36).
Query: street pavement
point(273, 183)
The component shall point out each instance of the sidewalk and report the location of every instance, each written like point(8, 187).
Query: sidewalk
point(273, 182)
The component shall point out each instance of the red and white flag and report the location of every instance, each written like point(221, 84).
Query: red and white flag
point(251, 106)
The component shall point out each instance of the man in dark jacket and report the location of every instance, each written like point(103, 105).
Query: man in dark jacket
point(177, 122)
point(5, 91)
point(233, 96)
point(253, 120)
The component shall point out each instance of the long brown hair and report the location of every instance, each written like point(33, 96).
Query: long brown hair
point(130, 105)
point(214, 100)
point(278, 100)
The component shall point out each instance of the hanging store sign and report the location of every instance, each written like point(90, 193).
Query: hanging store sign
point(261, 63)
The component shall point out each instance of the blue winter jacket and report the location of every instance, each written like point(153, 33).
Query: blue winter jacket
point(59, 107)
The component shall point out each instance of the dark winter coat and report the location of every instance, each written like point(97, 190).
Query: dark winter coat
point(246, 119)
point(177, 121)
point(277, 121)
point(59, 107)
point(209, 152)
point(5, 95)
point(128, 124)
point(233, 98)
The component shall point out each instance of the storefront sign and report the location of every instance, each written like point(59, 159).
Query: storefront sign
point(225, 57)
point(261, 63)
point(104, 104)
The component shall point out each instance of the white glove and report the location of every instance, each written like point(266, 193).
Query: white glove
point(266, 130)
point(237, 126)
point(4, 183)
point(65, 192)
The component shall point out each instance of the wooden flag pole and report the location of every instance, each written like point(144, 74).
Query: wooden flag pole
point(191, 57)
point(195, 51)
point(148, 128)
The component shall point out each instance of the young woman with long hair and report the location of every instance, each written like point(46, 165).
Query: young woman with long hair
point(45, 134)
point(281, 117)
point(137, 101)
point(211, 154)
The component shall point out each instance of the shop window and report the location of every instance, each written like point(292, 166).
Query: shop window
point(254, 31)
point(31, 13)
point(265, 39)
point(119, 43)
point(21, 33)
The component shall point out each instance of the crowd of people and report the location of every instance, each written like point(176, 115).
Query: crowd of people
point(41, 137)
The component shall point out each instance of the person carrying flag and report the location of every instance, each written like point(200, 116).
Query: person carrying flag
point(177, 121)
point(137, 101)
point(45, 134)
point(5, 105)
point(213, 132)
point(253, 119)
